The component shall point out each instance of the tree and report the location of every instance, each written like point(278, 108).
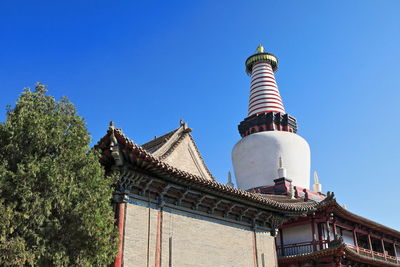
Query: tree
point(55, 200)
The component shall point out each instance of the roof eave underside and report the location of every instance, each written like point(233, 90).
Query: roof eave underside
point(339, 210)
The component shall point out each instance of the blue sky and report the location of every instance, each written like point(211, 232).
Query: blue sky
point(147, 64)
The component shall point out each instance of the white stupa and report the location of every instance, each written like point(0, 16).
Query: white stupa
point(268, 133)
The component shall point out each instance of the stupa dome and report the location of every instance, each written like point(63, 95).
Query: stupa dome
point(255, 159)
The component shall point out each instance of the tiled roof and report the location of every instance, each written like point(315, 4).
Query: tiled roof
point(342, 212)
point(144, 160)
point(161, 148)
point(339, 250)
point(153, 145)
point(282, 198)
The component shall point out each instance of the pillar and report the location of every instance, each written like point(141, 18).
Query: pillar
point(328, 230)
point(121, 223)
point(334, 231)
point(370, 245)
point(255, 256)
point(314, 243)
point(355, 238)
point(383, 247)
point(281, 240)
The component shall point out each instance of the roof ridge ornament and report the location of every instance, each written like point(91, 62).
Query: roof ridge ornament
point(317, 186)
point(113, 139)
point(114, 147)
point(229, 183)
point(281, 169)
point(183, 124)
point(329, 196)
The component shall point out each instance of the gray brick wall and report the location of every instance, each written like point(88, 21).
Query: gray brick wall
point(195, 240)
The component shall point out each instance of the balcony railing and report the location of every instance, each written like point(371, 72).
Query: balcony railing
point(374, 254)
point(295, 249)
point(309, 247)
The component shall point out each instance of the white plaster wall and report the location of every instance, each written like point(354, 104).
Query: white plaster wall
point(398, 251)
point(297, 234)
point(348, 237)
point(256, 159)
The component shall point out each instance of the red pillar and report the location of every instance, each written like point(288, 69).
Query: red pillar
point(314, 243)
point(158, 239)
point(334, 231)
point(255, 260)
point(328, 231)
point(355, 238)
point(121, 223)
point(320, 236)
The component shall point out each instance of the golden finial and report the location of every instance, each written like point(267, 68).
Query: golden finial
point(260, 49)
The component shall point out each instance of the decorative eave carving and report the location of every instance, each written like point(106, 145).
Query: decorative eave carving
point(138, 184)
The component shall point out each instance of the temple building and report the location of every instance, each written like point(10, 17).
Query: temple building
point(171, 211)
point(334, 235)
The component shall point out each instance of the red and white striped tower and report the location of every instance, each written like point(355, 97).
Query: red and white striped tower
point(264, 92)
point(269, 141)
point(266, 111)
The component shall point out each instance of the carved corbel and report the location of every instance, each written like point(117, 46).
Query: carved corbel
point(212, 210)
point(198, 202)
point(146, 187)
point(183, 196)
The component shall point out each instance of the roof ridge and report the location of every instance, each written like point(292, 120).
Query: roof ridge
point(201, 157)
point(174, 146)
point(158, 141)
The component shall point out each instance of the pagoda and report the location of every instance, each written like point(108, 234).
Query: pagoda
point(272, 160)
point(269, 136)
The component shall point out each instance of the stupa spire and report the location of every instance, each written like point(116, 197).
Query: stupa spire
point(268, 133)
point(264, 92)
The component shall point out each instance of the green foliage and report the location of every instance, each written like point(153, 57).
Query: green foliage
point(55, 207)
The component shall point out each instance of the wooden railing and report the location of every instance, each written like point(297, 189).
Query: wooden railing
point(308, 247)
point(374, 254)
point(295, 249)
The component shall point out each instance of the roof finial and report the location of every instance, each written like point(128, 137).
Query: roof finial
point(281, 170)
point(112, 125)
point(184, 125)
point(260, 49)
point(317, 186)
point(229, 183)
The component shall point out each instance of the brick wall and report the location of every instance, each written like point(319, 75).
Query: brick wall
point(190, 239)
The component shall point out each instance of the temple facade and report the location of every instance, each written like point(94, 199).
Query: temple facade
point(171, 211)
